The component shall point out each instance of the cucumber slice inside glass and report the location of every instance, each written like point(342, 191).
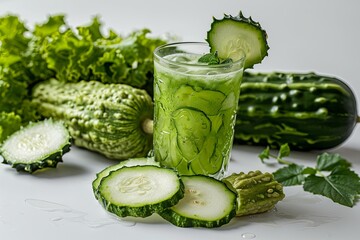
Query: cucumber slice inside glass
point(209, 160)
point(192, 128)
point(207, 101)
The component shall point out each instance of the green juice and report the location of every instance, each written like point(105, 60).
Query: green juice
point(195, 110)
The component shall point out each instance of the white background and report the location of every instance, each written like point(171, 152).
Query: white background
point(321, 36)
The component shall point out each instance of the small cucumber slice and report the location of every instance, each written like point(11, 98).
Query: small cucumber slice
point(127, 163)
point(208, 101)
point(139, 191)
point(38, 145)
point(208, 161)
point(233, 36)
point(207, 203)
point(192, 128)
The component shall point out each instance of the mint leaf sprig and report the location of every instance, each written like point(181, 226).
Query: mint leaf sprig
point(213, 59)
point(331, 177)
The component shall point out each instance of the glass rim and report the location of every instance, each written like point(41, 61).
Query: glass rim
point(220, 65)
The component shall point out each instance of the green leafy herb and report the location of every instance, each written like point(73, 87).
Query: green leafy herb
point(213, 59)
point(283, 152)
point(331, 177)
point(291, 175)
point(9, 123)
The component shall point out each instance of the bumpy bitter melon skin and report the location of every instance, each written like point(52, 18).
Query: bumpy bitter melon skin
point(306, 110)
point(257, 192)
point(106, 118)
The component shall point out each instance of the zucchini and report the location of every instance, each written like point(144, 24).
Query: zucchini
point(257, 192)
point(140, 191)
point(232, 36)
point(208, 202)
point(126, 163)
point(306, 110)
point(37, 146)
point(112, 119)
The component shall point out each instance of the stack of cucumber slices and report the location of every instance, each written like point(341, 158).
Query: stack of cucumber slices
point(139, 188)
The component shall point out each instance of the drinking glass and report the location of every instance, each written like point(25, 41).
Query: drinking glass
point(195, 109)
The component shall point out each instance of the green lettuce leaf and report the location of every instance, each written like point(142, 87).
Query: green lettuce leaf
point(86, 54)
point(53, 49)
point(9, 123)
point(13, 35)
point(66, 56)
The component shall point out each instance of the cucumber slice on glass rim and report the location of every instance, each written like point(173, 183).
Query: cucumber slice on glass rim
point(37, 146)
point(233, 36)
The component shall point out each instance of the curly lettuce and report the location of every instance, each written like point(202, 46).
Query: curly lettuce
point(87, 55)
point(53, 49)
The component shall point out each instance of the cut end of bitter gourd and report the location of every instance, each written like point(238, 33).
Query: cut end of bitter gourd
point(140, 191)
point(37, 146)
point(234, 36)
point(257, 192)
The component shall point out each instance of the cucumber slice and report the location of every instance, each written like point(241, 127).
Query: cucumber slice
point(208, 160)
point(207, 203)
point(192, 127)
point(231, 37)
point(38, 145)
point(139, 191)
point(127, 163)
point(207, 101)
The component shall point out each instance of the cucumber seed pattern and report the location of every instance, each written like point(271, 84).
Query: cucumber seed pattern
point(137, 184)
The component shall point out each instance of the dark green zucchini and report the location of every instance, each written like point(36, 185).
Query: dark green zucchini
point(306, 110)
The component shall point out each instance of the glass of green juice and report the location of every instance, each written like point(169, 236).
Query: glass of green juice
point(195, 109)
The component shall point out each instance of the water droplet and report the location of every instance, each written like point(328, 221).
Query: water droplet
point(248, 236)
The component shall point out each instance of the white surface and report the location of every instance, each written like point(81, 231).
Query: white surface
point(321, 36)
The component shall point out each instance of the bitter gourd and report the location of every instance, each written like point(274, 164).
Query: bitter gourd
point(111, 119)
point(306, 110)
point(257, 192)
